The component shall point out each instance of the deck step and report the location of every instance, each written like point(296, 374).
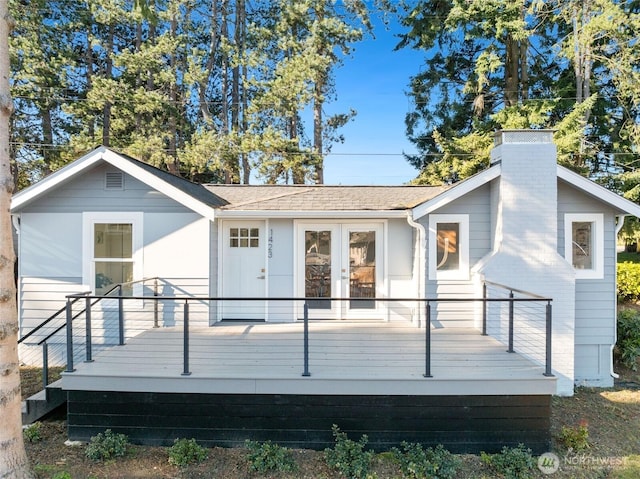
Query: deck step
point(43, 402)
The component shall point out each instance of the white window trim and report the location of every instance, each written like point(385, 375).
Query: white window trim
point(89, 219)
point(463, 272)
point(597, 272)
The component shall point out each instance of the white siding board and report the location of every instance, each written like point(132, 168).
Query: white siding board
point(50, 245)
point(595, 298)
point(280, 266)
point(176, 245)
point(400, 249)
point(477, 205)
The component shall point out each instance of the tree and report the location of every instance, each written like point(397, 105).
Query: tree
point(13, 458)
point(567, 65)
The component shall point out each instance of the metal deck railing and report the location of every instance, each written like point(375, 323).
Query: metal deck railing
point(521, 320)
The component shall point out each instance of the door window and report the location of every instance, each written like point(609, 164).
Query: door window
point(362, 268)
point(317, 268)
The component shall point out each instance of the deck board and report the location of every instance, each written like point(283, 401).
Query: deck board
point(344, 357)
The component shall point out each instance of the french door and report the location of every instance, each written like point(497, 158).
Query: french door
point(340, 269)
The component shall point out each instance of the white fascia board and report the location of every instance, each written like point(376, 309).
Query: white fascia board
point(456, 192)
point(104, 154)
point(27, 195)
point(600, 192)
point(158, 184)
point(249, 214)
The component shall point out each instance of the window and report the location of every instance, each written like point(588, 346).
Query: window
point(244, 237)
point(584, 244)
point(449, 247)
point(112, 250)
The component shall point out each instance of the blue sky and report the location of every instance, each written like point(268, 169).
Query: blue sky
point(374, 82)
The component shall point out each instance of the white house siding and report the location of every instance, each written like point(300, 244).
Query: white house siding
point(402, 270)
point(595, 299)
point(176, 248)
point(464, 315)
point(50, 247)
point(280, 268)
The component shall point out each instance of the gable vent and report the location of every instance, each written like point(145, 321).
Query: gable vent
point(114, 180)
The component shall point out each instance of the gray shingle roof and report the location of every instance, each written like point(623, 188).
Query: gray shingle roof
point(322, 197)
point(199, 192)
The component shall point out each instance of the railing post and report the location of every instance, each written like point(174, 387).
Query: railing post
point(484, 309)
point(306, 372)
point(120, 317)
point(45, 365)
point(510, 350)
point(427, 342)
point(155, 303)
point(69, 337)
point(87, 334)
point(547, 364)
point(185, 346)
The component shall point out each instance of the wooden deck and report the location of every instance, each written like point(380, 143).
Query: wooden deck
point(345, 358)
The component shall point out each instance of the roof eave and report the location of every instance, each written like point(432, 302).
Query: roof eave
point(324, 214)
point(614, 200)
point(456, 191)
point(28, 195)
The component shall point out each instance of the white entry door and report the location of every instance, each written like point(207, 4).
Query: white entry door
point(343, 262)
point(243, 269)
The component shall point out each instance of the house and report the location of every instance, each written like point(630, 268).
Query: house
point(369, 258)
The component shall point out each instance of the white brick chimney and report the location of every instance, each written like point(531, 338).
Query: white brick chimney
point(524, 212)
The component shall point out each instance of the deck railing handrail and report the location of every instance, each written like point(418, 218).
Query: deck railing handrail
point(427, 302)
point(76, 297)
point(49, 319)
point(516, 290)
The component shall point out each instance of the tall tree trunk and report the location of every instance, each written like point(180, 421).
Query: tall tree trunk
point(224, 87)
point(246, 167)
point(47, 137)
point(511, 72)
point(213, 47)
point(173, 166)
point(13, 458)
point(89, 81)
point(317, 127)
point(106, 112)
point(318, 103)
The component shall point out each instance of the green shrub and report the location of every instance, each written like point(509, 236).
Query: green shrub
point(32, 433)
point(628, 344)
point(628, 281)
point(267, 456)
point(62, 475)
point(418, 463)
point(511, 462)
point(185, 452)
point(575, 438)
point(107, 445)
point(348, 457)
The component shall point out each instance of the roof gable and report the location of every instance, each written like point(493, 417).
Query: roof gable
point(600, 193)
point(190, 195)
point(456, 191)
